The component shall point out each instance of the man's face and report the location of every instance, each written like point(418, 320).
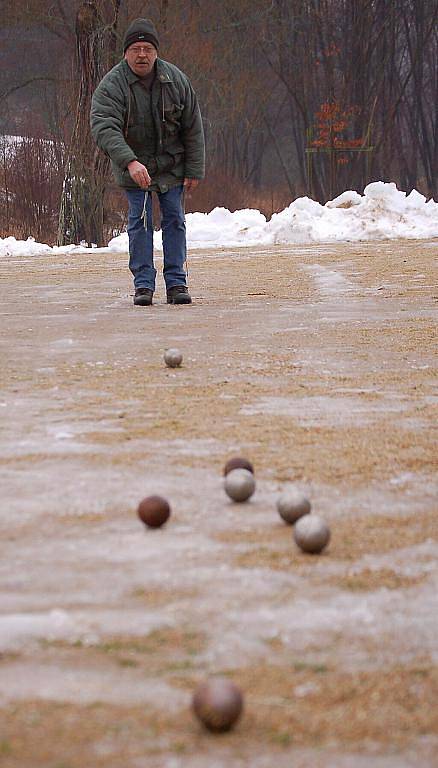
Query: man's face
point(141, 57)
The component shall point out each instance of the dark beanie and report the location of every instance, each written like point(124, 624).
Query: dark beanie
point(141, 31)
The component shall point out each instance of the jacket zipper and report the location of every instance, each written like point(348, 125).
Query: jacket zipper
point(129, 112)
point(162, 116)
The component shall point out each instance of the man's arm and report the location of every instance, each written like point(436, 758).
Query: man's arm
point(107, 119)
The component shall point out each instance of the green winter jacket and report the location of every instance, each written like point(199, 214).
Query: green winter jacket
point(120, 114)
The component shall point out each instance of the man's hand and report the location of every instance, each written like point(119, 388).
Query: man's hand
point(139, 174)
point(190, 184)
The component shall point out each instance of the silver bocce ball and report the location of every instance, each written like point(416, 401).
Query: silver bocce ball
point(292, 504)
point(311, 533)
point(239, 484)
point(173, 358)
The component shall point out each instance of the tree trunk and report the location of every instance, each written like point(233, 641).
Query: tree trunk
point(81, 217)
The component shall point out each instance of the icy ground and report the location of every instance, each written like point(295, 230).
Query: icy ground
point(318, 363)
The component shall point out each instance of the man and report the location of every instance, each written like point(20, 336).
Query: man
point(145, 117)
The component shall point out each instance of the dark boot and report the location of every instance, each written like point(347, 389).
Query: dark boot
point(179, 294)
point(143, 297)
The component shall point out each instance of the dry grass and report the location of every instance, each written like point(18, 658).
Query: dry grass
point(352, 538)
point(294, 705)
point(162, 651)
point(242, 342)
point(382, 578)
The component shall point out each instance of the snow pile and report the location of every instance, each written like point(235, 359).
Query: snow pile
point(215, 229)
point(12, 247)
point(220, 227)
point(383, 212)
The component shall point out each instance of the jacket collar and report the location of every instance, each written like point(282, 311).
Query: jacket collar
point(163, 74)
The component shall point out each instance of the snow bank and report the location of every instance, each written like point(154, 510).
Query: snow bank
point(383, 212)
point(12, 247)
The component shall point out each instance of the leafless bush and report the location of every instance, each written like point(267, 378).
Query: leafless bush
point(219, 189)
point(31, 177)
point(116, 212)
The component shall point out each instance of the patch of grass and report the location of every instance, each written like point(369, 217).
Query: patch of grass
point(162, 640)
point(179, 747)
point(345, 707)
point(5, 747)
point(383, 578)
point(9, 656)
point(62, 765)
point(181, 666)
point(422, 671)
point(283, 738)
point(164, 651)
point(150, 595)
point(352, 538)
point(159, 640)
point(127, 663)
point(303, 666)
point(378, 534)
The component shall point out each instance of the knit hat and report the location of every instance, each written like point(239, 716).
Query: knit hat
point(141, 31)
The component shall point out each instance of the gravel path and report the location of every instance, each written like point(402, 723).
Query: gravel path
point(316, 363)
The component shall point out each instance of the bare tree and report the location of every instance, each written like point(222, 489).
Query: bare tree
point(267, 73)
point(82, 204)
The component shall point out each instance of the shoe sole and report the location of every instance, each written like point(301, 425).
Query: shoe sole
point(142, 303)
point(182, 300)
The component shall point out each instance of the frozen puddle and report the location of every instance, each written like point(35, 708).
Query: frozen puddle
point(23, 680)
point(406, 621)
point(330, 282)
point(324, 410)
point(19, 629)
point(298, 758)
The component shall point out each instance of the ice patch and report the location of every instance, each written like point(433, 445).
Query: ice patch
point(329, 281)
point(323, 410)
point(51, 682)
point(19, 627)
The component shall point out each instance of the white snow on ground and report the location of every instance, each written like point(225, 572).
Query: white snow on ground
point(383, 212)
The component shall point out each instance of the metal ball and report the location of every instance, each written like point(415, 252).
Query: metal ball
point(292, 505)
point(311, 533)
point(173, 358)
point(239, 484)
point(238, 462)
point(154, 511)
point(218, 704)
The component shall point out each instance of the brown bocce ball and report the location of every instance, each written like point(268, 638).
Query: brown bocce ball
point(154, 511)
point(218, 704)
point(238, 462)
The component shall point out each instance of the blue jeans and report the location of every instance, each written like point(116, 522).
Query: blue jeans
point(141, 240)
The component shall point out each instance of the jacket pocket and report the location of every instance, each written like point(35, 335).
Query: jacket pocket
point(172, 118)
point(165, 163)
point(136, 137)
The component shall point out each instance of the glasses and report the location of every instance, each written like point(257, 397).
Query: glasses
point(143, 49)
